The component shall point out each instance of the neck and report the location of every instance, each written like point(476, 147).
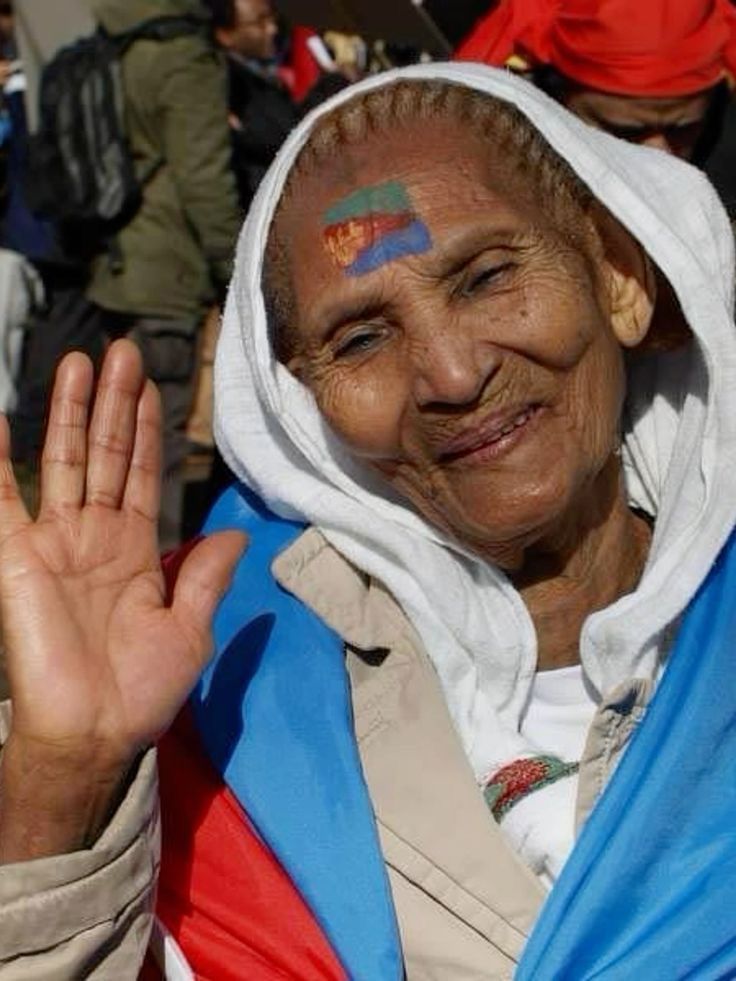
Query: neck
point(596, 557)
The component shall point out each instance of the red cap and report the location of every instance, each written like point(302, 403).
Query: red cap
point(629, 47)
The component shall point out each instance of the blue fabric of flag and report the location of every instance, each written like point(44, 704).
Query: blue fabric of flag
point(649, 892)
point(274, 712)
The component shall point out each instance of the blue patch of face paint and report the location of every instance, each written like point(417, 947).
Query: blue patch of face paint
point(412, 239)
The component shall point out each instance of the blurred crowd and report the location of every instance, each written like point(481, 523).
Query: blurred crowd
point(135, 133)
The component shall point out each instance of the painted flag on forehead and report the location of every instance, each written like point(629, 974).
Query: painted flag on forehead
point(649, 891)
point(373, 226)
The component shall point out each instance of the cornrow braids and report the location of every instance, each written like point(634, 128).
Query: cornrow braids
point(501, 124)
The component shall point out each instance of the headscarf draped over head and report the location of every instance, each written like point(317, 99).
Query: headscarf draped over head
point(628, 47)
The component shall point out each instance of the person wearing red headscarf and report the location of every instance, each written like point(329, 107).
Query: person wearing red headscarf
point(650, 71)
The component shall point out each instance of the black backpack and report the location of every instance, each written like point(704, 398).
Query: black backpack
point(80, 171)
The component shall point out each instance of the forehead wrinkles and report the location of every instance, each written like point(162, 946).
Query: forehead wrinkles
point(444, 195)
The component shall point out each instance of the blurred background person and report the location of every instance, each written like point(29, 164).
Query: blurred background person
point(173, 259)
point(22, 292)
point(262, 111)
point(655, 73)
point(31, 31)
point(276, 72)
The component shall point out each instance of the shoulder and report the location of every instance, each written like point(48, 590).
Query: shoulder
point(286, 558)
point(185, 57)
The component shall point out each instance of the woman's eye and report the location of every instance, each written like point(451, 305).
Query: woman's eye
point(358, 343)
point(483, 278)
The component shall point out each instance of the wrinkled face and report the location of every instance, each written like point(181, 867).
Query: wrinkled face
point(670, 124)
point(254, 30)
point(452, 337)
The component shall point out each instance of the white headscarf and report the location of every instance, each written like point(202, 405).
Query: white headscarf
point(679, 450)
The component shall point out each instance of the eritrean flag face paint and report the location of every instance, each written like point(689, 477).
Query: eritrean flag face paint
point(373, 226)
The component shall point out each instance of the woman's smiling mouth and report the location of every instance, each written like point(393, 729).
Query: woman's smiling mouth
point(493, 436)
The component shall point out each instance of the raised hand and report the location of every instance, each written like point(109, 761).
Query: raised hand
point(98, 663)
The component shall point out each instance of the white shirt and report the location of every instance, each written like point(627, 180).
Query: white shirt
point(541, 826)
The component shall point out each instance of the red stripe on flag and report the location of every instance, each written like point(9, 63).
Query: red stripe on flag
point(222, 893)
point(345, 240)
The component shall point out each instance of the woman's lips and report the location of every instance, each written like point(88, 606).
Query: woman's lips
point(495, 435)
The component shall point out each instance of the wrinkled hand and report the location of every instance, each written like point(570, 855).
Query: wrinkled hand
point(98, 663)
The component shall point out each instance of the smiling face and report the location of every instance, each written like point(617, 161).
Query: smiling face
point(454, 335)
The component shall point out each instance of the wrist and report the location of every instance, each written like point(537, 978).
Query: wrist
point(54, 801)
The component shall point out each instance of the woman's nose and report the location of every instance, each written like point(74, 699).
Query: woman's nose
point(451, 367)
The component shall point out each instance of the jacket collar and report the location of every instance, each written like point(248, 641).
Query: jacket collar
point(358, 608)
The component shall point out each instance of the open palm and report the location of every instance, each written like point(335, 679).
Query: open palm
point(98, 661)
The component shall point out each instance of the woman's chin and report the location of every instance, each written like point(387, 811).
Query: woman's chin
point(500, 525)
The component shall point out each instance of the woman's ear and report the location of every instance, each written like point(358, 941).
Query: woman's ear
point(633, 295)
point(631, 283)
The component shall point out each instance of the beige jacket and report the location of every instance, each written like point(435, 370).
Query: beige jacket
point(465, 902)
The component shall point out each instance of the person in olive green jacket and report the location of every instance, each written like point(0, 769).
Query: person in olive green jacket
point(173, 260)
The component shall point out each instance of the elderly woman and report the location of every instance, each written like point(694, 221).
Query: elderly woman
point(477, 370)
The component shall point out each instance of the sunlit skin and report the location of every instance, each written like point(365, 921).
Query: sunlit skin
point(672, 124)
point(253, 33)
point(418, 365)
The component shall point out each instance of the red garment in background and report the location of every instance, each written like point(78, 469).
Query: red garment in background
point(629, 47)
point(300, 71)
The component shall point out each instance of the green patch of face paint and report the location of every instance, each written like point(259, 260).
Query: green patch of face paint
point(389, 197)
point(373, 226)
